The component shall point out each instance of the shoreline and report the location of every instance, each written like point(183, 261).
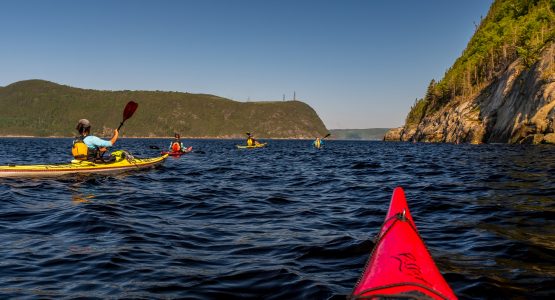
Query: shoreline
point(148, 137)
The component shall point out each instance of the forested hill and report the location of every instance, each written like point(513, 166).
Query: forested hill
point(502, 87)
point(42, 108)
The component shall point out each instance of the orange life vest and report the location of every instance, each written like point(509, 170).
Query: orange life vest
point(176, 147)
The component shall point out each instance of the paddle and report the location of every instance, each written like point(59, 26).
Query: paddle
point(326, 135)
point(128, 112)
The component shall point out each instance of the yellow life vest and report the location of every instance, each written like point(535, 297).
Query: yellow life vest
point(80, 150)
point(250, 142)
point(317, 143)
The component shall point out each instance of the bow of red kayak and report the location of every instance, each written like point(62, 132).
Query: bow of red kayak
point(400, 265)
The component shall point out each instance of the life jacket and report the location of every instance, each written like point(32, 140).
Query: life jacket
point(176, 146)
point(250, 141)
point(317, 143)
point(80, 150)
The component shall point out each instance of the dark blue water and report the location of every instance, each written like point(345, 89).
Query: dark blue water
point(285, 222)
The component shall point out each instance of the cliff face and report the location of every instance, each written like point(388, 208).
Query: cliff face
point(501, 89)
point(42, 108)
point(517, 107)
point(520, 108)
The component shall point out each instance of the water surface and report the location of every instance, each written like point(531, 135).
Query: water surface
point(285, 222)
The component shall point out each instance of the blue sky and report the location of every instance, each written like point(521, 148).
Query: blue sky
point(358, 63)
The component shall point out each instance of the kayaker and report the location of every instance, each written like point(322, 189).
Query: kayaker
point(318, 143)
point(176, 145)
point(250, 140)
point(95, 146)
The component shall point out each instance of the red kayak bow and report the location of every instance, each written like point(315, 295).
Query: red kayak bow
point(400, 265)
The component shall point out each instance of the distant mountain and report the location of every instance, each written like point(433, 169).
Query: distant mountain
point(358, 134)
point(42, 108)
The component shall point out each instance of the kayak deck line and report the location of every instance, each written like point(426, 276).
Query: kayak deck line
point(401, 266)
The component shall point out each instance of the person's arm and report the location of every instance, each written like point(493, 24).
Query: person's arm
point(95, 142)
point(115, 137)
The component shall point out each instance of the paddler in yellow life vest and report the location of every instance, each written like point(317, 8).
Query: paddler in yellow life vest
point(90, 147)
point(251, 141)
point(318, 143)
point(176, 145)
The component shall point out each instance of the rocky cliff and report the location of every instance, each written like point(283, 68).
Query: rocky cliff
point(518, 107)
point(513, 102)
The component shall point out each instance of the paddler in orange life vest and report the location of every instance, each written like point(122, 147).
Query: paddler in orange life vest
point(90, 147)
point(176, 145)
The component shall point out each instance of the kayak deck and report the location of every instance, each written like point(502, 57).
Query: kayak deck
point(178, 153)
point(400, 265)
point(262, 145)
point(80, 167)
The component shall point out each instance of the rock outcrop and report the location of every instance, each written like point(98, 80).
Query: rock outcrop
point(393, 134)
point(518, 106)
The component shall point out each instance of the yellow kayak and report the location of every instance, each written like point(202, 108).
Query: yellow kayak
point(261, 145)
point(81, 167)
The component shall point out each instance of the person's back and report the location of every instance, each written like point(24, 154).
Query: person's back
point(176, 144)
point(318, 143)
point(96, 146)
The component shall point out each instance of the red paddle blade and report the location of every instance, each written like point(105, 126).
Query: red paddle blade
point(129, 110)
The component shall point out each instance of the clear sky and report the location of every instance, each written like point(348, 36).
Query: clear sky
point(358, 63)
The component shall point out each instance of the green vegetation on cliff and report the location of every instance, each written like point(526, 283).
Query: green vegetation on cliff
point(512, 29)
point(42, 108)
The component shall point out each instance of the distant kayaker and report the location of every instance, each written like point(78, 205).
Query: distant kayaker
point(90, 147)
point(176, 145)
point(250, 140)
point(318, 143)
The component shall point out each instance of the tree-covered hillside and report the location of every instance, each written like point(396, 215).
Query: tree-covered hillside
point(512, 29)
point(42, 108)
